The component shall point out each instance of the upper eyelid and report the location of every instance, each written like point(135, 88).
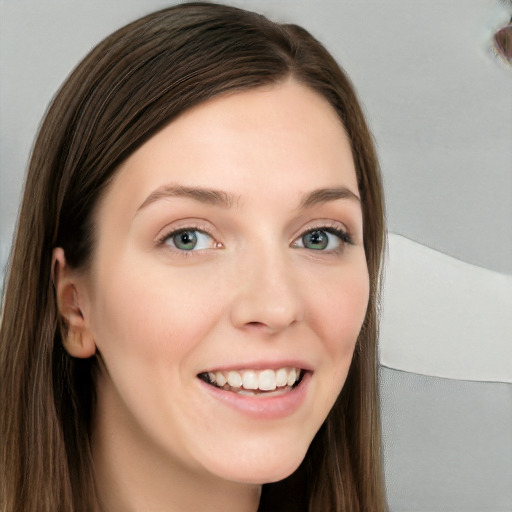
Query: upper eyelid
point(335, 231)
point(325, 225)
point(188, 225)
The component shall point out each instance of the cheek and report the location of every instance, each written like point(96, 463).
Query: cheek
point(149, 330)
point(151, 316)
point(339, 314)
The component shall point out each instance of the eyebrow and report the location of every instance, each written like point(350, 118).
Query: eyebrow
point(324, 195)
point(225, 200)
point(203, 195)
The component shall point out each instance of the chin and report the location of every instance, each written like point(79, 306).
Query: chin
point(260, 470)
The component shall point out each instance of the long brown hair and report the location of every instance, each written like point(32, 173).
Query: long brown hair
point(129, 86)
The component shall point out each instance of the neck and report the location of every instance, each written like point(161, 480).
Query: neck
point(133, 475)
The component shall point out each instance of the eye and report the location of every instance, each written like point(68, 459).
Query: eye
point(323, 239)
point(189, 240)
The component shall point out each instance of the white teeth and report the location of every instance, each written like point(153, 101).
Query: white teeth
point(281, 377)
point(247, 393)
point(267, 380)
point(292, 377)
point(220, 379)
point(277, 392)
point(264, 380)
point(250, 380)
point(234, 380)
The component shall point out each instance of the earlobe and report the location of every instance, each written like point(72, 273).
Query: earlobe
point(76, 336)
point(79, 343)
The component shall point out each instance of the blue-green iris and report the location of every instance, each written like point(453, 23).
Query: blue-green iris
point(317, 240)
point(185, 240)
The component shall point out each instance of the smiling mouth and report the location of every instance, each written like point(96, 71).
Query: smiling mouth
point(255, 382)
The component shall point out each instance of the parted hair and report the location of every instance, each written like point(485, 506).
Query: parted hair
point(125, 90)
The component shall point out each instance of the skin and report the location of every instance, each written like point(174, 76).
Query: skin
point(252, 294)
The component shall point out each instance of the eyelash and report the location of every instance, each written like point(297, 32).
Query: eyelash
point(161, 241)
point(343, 236)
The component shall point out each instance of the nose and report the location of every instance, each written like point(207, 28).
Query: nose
point(267, 295)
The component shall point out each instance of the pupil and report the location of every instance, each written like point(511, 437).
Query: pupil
point(185, 240)
point(315, 240)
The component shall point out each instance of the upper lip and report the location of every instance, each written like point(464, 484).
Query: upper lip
point(259, 365)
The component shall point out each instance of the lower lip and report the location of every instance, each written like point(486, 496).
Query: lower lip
point(261, 407)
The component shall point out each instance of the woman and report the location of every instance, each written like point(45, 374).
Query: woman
point(190, 317)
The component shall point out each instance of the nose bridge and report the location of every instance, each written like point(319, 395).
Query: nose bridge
point(268, 295)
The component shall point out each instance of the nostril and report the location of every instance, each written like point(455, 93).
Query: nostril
point(257, 326)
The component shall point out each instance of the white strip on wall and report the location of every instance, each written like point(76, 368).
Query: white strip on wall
point(444, 317)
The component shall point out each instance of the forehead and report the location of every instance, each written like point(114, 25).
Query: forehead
point(282, 140)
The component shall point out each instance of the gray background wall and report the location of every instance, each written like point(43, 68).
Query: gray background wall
point(439, 103)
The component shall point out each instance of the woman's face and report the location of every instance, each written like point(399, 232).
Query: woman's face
point(229, 248)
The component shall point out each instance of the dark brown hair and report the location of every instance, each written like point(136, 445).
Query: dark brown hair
point(131, 85)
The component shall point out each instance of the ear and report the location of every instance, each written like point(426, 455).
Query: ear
point(71, 301)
